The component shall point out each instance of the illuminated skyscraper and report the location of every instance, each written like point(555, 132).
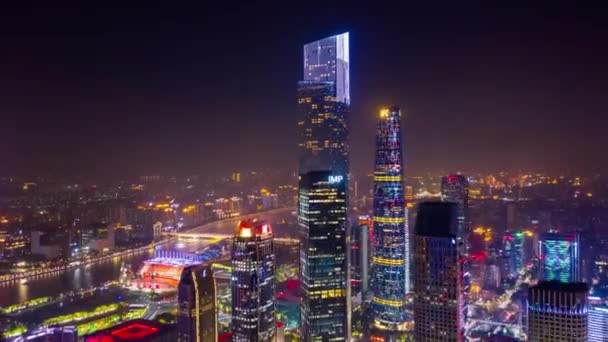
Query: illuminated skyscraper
point(323, 105)
point(438, 289)
point(558, 312)
point(559, 258)
point(391, 276)
point(518, 251)
point(197, 314)
point(598, 323)
point(324, 305)
point(455, 189)
point(360, 255)
point(507, 262)
point(253, 283)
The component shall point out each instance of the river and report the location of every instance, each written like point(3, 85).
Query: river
point(92, 275)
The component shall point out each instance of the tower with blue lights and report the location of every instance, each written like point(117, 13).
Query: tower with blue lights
point(560, 258)
point(323, 106)
point(391, 276)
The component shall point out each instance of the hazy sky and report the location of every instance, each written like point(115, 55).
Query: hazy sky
point(194, 90)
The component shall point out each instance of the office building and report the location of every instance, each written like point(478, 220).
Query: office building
point(391, 276)
point(559, 258)
point(455, 189)
point(438, 288)
point(519, 252)
point(598, 323)
point(197, 310)
point(360, 255)
point(507, 264)
point(324, 308)
point(323, 106)
point(253, 283)
point(558, 312)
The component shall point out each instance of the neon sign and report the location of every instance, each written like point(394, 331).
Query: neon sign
point(335, 179)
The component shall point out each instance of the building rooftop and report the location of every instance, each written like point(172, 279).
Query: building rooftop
point(559, 286)
point(135, 330)
point(251, 228)
point(437, 219)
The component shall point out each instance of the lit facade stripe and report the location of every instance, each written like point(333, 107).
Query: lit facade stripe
point(388, 262)
point(393, 303)
point(379, 219)
point(387, 178)
point(197, 307)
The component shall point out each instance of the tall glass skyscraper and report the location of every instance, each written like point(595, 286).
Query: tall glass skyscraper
point(196, 294)
point(560, 258)
point(391, 270)
point(323, 251)
point(323, 105)
point(438, 288)
point(253, 283)
point(455, 189)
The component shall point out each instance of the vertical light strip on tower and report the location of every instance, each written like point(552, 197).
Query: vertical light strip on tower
point(391, 259)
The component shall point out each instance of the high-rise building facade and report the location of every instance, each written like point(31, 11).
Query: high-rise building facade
point(324, 305)
point(391, 276)
point(519, 256)
point(455, 189)
point(197, 312)
point(598, 323)
point(253, 283)
point(360, 255)
point(560, 258)
point(323, 106)
point(558, 312)
point(438, 288)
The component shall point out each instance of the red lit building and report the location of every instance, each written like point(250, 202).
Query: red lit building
point(135, 330)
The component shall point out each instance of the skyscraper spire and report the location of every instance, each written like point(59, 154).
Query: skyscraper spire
point(323, 105)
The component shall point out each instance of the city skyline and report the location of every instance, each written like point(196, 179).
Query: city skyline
point(150, 105)
point(204, 208)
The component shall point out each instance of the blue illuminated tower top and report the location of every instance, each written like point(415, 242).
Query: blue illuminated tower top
point(560, 257)
point(323, 107)
point(327, 60)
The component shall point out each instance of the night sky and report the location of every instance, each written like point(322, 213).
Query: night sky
point(182, 90)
